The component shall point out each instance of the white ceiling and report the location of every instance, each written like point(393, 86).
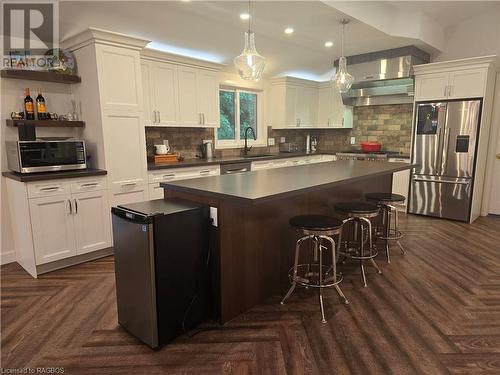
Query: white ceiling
point(213, 30)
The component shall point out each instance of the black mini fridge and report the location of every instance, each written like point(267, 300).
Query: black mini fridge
point(161, 267)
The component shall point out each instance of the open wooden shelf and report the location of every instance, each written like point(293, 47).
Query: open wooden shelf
point(46, 123)
point(35, 75)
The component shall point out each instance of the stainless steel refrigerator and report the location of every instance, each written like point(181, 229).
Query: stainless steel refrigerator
point(445, 143)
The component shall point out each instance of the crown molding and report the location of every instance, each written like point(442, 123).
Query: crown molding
point(295, 81)
point(160, 56)
point(490, 61)
point(99, 36)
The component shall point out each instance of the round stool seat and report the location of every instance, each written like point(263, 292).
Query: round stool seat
point(315, 222)
point(385, 197)
point(356, 207)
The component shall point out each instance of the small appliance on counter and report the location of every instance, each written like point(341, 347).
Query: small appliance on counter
point(314, 144)
point(162, 273)
point(46, 156)
point(371, 146)
point(207, 149)
point(288, 147)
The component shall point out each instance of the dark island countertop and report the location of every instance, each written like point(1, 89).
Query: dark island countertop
point(41, 176)
point(264, 185)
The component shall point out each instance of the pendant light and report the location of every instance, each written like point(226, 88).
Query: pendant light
point(250, 64)
point(342, 79)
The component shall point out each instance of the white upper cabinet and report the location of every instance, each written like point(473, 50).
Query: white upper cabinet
point(148, 95)
point(119, 78)
point(331, 109)
point(160, 87)
point(306, 104)
point(469, 83)
point(208, 97)
point(188, 100)
point(452, 84)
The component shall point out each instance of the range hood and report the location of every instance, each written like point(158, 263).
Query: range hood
point(383, 77)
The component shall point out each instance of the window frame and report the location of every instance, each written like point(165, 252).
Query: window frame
point(261, 129)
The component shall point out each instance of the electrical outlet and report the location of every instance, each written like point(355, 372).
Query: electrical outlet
point(270, 141)
point(282, 140)
point(353, 140)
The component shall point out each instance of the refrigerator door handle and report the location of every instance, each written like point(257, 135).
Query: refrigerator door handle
point(441, 181)
point(446, 146)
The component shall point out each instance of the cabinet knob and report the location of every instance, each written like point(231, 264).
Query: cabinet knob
point(498, 155)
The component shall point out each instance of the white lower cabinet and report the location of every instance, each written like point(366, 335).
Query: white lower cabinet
point(91, 221)
point(290, 162)
point(53, 228)
point(401, 180)
point(176, 174)
point(69, 218)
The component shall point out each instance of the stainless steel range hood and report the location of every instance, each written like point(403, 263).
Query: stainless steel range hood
point(383, 77)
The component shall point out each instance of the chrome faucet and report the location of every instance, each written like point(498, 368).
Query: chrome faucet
point(246, 149)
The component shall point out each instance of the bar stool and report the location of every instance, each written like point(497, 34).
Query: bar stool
point(358, 220)
point(386, 230)
point(316, 228)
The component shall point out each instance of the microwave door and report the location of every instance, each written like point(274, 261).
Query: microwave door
point(460, 138)
point(430, 121)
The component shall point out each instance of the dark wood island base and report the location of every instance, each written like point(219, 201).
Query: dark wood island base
point(253, 242)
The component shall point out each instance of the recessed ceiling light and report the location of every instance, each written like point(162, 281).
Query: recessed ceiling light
point(289, 30)
point(328, 44)
point(244, 16)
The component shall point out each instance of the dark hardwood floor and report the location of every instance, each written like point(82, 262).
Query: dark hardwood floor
point(435, 310)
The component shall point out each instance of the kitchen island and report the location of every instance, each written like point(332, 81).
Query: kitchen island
point(252, 243)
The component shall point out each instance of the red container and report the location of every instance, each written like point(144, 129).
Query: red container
point(371, 146)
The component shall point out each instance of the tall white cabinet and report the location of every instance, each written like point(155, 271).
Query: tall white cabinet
point(113, 103)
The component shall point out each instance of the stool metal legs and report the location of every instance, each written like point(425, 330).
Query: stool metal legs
point(325, 278)
point(361, 226)
point(389, 232)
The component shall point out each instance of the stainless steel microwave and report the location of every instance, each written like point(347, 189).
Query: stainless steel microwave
point(45, 156)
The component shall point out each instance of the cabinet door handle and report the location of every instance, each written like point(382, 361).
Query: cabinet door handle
point(200, 119)
point(203, 116)
point(129, 184)
point(159, 116)
point(89, 185)
point(70, 207)
point(76, 205)
point(449, 90)
point(154, 116)
point(52, 188)
point(445, 91)
point(205, 172)
point(168, 176)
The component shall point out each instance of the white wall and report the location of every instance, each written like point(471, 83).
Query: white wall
point(477, 36)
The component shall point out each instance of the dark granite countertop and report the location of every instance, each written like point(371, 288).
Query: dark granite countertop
point(41, 176)
point(259, 186)
point(228, 160)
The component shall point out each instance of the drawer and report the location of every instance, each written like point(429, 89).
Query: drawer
point(281, 163)
point(129, 194)
point(183, 173)
point(127, 186)
point(88, 184)
point(48, 188)
point(260, 165)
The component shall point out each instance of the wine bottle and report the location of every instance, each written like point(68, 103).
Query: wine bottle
point(40, 106)
point(28, 106)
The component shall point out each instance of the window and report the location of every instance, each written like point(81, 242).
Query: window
point(239, 110)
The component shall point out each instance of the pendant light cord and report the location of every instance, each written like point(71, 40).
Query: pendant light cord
point(342, 41)
point(249, 17)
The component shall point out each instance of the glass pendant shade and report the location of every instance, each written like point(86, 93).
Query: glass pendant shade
point(342, 79)
point(250, 64)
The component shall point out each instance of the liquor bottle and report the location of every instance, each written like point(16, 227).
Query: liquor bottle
point(28, 106)
point(40, 106)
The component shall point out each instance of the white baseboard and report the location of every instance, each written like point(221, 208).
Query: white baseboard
point(7, 257)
